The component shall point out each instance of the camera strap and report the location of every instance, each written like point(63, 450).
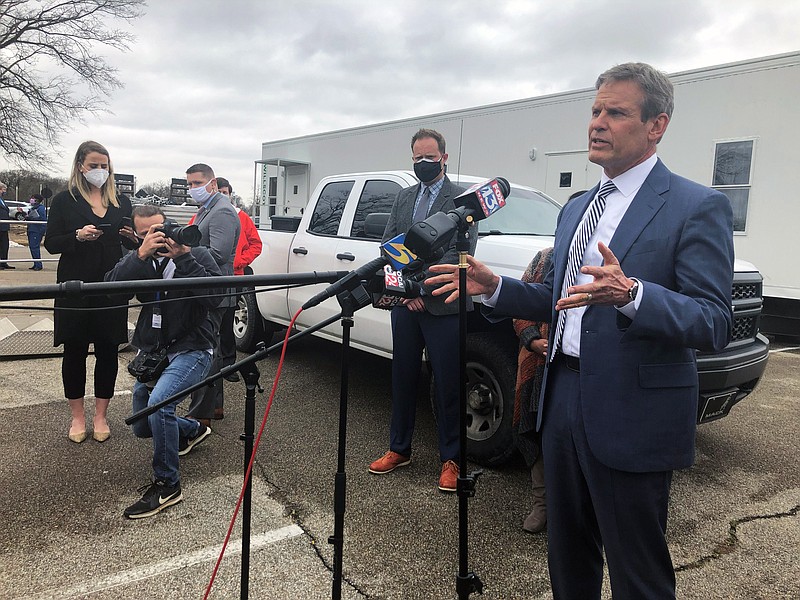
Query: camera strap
point(160, 267)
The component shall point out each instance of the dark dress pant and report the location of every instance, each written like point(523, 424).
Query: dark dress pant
point(4, 245)
point(209, 397)
point(227, 341)
point(593, 508)
point(411, 333)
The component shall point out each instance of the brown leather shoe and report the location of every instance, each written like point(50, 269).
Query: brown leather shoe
point(449, 476)
point(219, 413)
point(389, 462)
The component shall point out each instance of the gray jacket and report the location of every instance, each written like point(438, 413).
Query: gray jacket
point(400, 221)
point(219, 226)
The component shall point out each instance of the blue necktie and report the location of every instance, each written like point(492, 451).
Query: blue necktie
point(421, 212)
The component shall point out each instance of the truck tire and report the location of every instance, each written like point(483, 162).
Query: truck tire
point(491, 380)
point(248, 328)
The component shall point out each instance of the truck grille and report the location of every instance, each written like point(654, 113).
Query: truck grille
point(744, 328)
point(746, 302)
point(746, 291)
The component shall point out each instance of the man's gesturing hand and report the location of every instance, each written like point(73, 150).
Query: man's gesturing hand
point(480, 279)
point(610, 285)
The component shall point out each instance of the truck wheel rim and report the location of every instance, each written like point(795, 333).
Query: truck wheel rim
point(240, 318)
point(484, 403)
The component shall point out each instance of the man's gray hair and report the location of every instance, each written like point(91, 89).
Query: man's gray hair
point(3, 186)
point(655, 85)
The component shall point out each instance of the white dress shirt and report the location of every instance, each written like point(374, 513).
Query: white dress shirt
point(617, 203)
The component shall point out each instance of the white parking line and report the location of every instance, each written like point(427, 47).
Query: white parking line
point(784, 349)
point(171, 564)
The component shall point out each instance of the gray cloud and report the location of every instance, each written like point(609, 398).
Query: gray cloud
point(211, 81)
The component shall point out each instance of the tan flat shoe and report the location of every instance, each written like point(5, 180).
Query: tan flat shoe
point(101, 436)
point(77, 437)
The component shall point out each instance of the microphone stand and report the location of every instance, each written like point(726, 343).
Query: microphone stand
point(350, 301)
point(250, 374)
point(467, 581)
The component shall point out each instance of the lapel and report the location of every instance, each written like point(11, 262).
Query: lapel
point(647, 202)
point(442, 198)
point(85, 210)
point(200, 218)
point(570, 219)
point(407, 214)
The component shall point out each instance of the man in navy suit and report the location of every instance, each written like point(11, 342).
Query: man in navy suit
point(619, 398)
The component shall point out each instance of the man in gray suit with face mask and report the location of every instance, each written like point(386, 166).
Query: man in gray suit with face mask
point(219, 226)
point(425, 322)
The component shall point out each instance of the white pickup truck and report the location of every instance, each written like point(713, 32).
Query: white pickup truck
point(331, 236)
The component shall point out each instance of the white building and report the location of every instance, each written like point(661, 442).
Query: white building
point(734, 128)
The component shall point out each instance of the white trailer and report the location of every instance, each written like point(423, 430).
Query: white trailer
point(734, 128)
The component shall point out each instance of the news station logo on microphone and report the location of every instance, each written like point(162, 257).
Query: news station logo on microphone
point(394, 289)
point(396, 252)
point(487, 197)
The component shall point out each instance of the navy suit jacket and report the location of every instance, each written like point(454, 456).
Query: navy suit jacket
point(639, 386)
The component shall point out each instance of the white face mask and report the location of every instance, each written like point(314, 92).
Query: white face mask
point(97, 177)
point(200, 194)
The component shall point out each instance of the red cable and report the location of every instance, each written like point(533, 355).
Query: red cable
point(252, 456)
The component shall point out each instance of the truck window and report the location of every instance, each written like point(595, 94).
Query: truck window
point(377, 197)
point(329, 208)
point(526, 213)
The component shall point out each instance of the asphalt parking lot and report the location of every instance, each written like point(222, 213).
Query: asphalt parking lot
point(734, 529)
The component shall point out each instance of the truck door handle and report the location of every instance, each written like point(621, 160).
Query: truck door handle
point(300, 250)
point(345, 256)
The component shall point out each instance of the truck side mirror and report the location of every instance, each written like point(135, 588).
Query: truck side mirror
point(375, 225)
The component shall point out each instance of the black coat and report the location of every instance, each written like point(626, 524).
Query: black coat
point(5, 215)
point(88, 262)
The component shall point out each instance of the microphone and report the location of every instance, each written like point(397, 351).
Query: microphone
point(484, 199)
point(399, 256)
point(393, 252)
point(390, 291)
point(480, 201)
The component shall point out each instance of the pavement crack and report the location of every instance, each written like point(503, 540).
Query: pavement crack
point(295, 513)
point(731, 542)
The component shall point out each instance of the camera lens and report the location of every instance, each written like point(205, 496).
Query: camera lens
point(186, 235)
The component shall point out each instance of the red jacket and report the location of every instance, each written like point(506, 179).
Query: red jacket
point(249, 246)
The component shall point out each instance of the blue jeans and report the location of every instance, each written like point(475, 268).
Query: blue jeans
point(34, 244)
point(164, 426)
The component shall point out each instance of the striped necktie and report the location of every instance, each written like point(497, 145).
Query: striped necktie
point(576, 251)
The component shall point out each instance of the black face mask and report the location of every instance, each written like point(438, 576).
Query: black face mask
point(427, 171)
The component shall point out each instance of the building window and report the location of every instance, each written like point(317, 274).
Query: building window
point(733, 166)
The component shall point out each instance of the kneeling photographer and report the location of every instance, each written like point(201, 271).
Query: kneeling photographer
point(174, 337)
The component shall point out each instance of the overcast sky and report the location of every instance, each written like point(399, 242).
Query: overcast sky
point(209, 81)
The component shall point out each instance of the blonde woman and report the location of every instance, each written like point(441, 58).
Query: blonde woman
point(84, 228)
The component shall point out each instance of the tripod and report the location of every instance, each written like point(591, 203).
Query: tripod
point(250, 374)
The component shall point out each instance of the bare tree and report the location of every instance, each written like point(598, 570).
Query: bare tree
point(157, 188)
point(22, 183)
point(48, 50)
